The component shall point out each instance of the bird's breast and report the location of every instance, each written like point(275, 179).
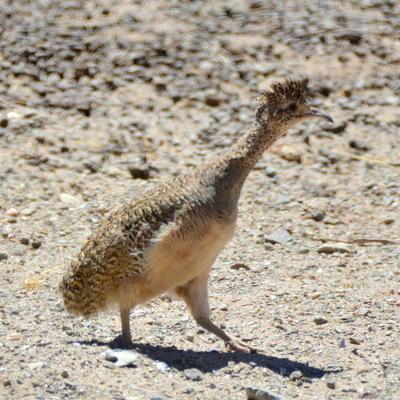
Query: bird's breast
point(176, 258)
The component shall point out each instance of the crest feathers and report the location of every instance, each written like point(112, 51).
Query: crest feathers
point(290, 89)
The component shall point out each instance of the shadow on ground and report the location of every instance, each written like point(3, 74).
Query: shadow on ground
point(209, 361)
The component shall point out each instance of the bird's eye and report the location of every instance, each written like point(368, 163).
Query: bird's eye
point(292, 107)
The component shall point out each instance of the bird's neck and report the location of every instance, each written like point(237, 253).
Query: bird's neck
point(233, 167)
point(251, 146)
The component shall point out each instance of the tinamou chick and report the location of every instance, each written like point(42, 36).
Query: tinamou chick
point(168, 239)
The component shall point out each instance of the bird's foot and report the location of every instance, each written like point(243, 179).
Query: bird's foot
point(237, 345)
point(121, 342)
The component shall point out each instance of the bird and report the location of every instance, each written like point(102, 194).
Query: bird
point(167, 239)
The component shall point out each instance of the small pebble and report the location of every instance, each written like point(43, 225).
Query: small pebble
point(332, 221)
point(359, 145)
point(122, 358)
point(283, 198)
point(270, 172)
point(12, 212)
point(268, 246)
point(304, 251)
point(24, 240)
point(114, 171)
point(390, 200)
point(355, 340)
point(320, 320)
point(240, 266)
point(362, 312)
point(3, 256)
point(295, 375)
point(139, 173)
point(389, 221)
point(353, 37)
point(194, 374)
point(289, 152)
point(330, 248)
point(28, 211)
point(110, 355)
point(162, 366)
point(65, 374)
point(317, 215)
point(331, 384)
point(91, 166)
point(67, 198)
point(336, 128)
point(261, 394)
point(281, 236)
point(13, 115)
point(36, 244)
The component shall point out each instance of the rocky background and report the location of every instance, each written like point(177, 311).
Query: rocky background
point(102, 99)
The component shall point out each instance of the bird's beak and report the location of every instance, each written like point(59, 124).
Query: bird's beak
point(318, 114)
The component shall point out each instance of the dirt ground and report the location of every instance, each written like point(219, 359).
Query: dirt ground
point(100, 100)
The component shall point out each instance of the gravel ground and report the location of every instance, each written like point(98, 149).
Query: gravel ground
point(100, 100)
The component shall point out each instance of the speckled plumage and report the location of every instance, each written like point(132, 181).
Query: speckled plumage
point(169, 238)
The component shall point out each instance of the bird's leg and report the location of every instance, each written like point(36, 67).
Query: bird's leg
point(126, 329)
point(124, 341)
point(195, 294)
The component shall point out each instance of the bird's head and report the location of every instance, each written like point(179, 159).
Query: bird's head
point(285, 104)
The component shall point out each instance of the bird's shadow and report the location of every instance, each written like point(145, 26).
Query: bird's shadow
point(210, 361)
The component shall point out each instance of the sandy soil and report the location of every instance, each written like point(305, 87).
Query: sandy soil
point(96, 95)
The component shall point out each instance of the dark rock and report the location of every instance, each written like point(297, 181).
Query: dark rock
point(212, 101)
point(24, 240)
point(325, 90)
point(336, 128)
point(139, 173)
point(331, 384)
point(334, 248)
point(3, 256)
point(317, 215)
point(351, 36)
point(36, 244)
point(354, 340)
point(271, 172)
point(359, 144)
point(320, 320)
point(91, 166)
point(389, 221)
point(240, 266)
point(85, 109)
